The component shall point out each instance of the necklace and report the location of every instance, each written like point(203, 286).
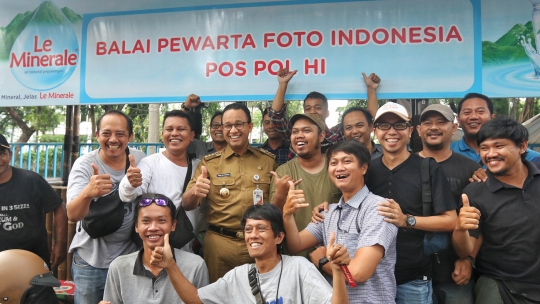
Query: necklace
point(279, 280)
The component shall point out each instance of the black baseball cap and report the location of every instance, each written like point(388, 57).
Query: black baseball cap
point(3, 142)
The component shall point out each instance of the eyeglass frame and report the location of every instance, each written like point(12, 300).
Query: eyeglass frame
point(215, 126)
point(377, 126)
point(228, 127)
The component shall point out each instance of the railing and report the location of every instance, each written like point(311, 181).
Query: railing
point(46, 158)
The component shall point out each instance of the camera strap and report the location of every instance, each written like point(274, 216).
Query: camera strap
point(253, 280)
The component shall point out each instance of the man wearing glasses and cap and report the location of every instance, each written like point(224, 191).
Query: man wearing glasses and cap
point(397, 177)
point(25, 197)
point(132, 278)
point(231, 180)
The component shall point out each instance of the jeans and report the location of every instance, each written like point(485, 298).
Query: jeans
point(451, 293)
point(89, 281)
point(415, 292)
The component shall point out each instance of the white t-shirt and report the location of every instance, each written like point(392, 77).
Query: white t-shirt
point(300, 283)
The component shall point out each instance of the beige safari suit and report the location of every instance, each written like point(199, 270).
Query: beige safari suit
point(236, 173)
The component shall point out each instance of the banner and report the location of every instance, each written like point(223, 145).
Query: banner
point(97, 52)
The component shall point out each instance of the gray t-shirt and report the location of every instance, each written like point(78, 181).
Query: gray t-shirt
point(101, 251)
point(300, 283)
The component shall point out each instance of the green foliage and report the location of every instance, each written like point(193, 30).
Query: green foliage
point(44, 157)
point(508, 48)
point(42, 119)
point(50, 138)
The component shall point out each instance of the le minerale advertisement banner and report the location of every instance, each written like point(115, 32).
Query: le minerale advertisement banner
point(102, 51)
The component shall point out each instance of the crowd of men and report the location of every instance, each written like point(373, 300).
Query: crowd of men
point(314, 215)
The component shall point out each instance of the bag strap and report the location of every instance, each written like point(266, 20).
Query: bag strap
point(127, 160)
point(254, 284)
point(190, 156)
point(426, 191)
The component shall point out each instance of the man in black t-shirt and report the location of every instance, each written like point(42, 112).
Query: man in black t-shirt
point(451, 275)
point(396, 176)
point(25, 199)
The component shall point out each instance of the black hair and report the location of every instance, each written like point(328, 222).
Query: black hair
point(216, 114)
point(182, 114)
point(352, 147)
point(506, 128)
point(267, 212)
point(238, 106)
point(476, 95)
point(116, 112)
point(369, 117)
point(265, 112)
point(170, 204)
point(317, 95)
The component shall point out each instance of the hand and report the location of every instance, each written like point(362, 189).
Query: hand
point(317, 254)
point(372, 81)
point(99, 184)
point(462, 271)
point(58, 254)
point(192, 101)
point(316, 216)
point(104, 302)
point(295, 200)
point(479, 176)
point(337, 254)
point(162, 256)
point(202, 186)
point(282, 184)
point(392, 213)
point(469, 217)
point(284, 75)
point(133, 174)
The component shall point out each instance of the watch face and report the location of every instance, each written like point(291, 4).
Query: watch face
point(411, 221)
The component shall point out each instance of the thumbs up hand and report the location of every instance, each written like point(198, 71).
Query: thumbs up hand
point(99, 184)
point(202, 186)
point(469, 217)
point(295, 200)
point(162, 255)
point(133, 173)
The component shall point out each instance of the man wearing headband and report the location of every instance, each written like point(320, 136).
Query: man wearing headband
point(132, 278)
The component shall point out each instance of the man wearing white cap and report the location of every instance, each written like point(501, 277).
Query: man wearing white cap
point(397, 176)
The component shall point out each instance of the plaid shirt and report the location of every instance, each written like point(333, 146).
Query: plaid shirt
point(283, 126)
point(281, 153)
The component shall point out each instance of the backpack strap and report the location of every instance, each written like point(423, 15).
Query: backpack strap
point(426, 191)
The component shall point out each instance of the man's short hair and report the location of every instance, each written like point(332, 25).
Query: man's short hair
point(352, 147)
point(369, 117)
point(506, 128)
point(476, 95)
point(267, 212)
point(265, 112)
point(116, 112)
point(317, 95)
point(216, 114)
point(181, 114)
point(170, 205)
point(238, 106)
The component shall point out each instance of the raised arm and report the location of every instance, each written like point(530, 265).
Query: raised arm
point(372, 83)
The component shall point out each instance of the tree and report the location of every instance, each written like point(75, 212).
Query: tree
point(31, 120)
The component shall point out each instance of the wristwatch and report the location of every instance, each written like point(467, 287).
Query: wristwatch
point(470, 259)
point(411, 220)
point(183, 106)
point(323, 261)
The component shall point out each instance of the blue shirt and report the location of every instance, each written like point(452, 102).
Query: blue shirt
point(462, 148)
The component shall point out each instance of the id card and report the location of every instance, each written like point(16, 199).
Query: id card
point(257, 197)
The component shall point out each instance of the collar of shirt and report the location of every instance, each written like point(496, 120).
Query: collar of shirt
point(357, 199)
point(284, 145)
point(228, 151)
point(494, 184)
point(139, 269)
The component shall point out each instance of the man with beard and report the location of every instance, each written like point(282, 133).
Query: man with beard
point(309, 170)
point(230, 180)
point(275, 143)
point(357, 124)
point(451, 275)
point(473, 111)
point(504, 211)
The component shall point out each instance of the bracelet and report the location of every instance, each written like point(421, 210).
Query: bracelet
point(183, 106)
point(472, 260)
point(323, 261)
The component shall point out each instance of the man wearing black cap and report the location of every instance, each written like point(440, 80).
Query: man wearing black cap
point(25, 198)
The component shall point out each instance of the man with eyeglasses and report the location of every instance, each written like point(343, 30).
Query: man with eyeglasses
point(273, 278)
point(397, 177)
point(275, 143)
point(451, 275)
point(132, 278)
point(231, 180)
point(25, 197)
point(357, 224)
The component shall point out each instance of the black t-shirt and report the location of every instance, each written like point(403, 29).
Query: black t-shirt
point(404, 185)
point(458, 169)
point(509, 223)
point(24, 201)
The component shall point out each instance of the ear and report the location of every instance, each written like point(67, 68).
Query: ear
point(136, 228)
point(279, 238)
point(492, 116)
point(192, 136)
point(454, 128)
point(364, 168)
point(322, 135)
point(131, 137)
point(326, 114)
point(411, 129)
point(173, 227)
point(250, 125)
point(418, 127)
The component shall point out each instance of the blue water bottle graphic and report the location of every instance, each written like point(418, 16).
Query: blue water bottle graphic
point(47, 51)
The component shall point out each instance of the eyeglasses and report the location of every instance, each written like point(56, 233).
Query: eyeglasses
point(215, 126)
point(160, 201)
point(238, 126)
point(398, 126)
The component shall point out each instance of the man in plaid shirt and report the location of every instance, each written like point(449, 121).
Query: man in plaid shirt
point(314, 103)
